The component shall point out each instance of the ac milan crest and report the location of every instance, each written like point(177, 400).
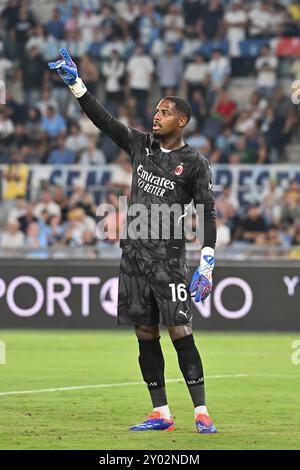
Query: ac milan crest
point(179, 170)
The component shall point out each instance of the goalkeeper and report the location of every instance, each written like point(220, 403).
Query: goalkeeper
point(154, 282)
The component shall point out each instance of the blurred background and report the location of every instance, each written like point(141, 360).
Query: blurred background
point(234, 60)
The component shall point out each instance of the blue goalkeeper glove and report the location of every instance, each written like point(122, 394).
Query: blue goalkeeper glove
point(67, 70)
point(201, 283)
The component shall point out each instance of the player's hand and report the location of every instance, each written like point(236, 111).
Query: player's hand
point(66, 68)
point(201, 283)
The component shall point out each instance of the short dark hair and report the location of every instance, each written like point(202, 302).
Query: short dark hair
point(181, 105)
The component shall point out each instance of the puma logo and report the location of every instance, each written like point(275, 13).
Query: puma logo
point(183, 215)
point(184, 313)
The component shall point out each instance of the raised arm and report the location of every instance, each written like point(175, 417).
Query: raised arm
point(122, 135)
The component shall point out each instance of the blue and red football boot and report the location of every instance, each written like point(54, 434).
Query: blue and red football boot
point(205, 425)
point(154, 422)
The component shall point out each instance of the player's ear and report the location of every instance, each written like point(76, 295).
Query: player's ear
point(182, 122)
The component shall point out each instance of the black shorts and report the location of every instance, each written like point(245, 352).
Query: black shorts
point(151, 291)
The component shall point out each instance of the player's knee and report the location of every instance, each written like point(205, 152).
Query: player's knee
point(147, 332)
point(178, 332)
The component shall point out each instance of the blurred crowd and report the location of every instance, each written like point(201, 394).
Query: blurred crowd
point(273, 220)
point(55, 220)
point(130, 53)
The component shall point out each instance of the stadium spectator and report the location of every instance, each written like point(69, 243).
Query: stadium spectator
point(261, 20)
point(192, 10)
point(33, 67)
point(235, 23)
point(219, 70)
point(61, 155)
point(128, 11)
point(148, 24)
point(72, 19)
point(173, 25)
point(293, 190)
point(55, 27)
point(27, 218)
point(212, 20)
point(55, 232)
point(224, 144)
point(169, 72)
point(36, 39)
point(199, 107)
point(10, 14)
point(271, 201)
point(257, 106)
point(245, 122)
point(253, 226)
point(87, 127)
point(5, 64)
point(224, 234)
point(46, 100)
point(92, 155)
point(113, 70)
point(79, 223)
point(12, 237)
point(34, 125)
point(89, 238)
point(266, 67)
point(196, 75)
point(24, 23)
point(286, 110)
point(19, 208)
point(121, 178)
point(60, 198)
point(290, 211)
point(46, 203)
point(226, 204)
point(273, 129)
point(224, 108)
point(14, 178)
point(53, 123)
point(36, 238)
point(15, 86)
point(198, 141)
point(6, 128)
point(87, 22)
point(76, 141)
point(140, 70)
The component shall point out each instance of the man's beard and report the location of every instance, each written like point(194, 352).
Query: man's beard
point(157, 136)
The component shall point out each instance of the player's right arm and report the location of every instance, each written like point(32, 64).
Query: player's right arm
point(122, 135)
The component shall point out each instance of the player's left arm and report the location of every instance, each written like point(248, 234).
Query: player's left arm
point(202, 193)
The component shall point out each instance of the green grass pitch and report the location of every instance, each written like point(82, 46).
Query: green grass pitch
point(253, 392)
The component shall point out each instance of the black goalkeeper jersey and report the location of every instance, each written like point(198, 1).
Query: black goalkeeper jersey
point(159, 180)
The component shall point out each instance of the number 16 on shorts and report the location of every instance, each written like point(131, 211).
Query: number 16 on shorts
point(179, 292)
